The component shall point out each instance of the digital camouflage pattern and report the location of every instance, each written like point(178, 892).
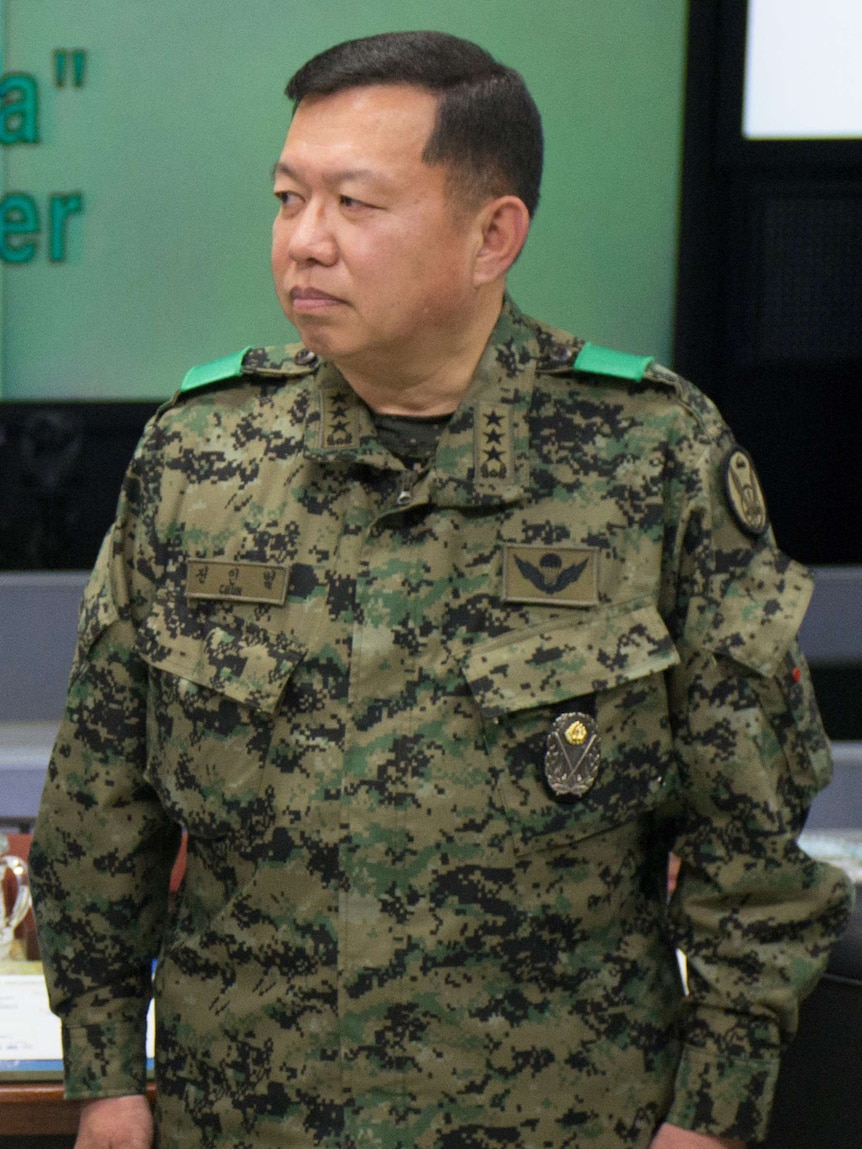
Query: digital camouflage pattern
point(341, 677)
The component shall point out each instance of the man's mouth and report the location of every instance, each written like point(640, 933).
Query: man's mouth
point(309, 299)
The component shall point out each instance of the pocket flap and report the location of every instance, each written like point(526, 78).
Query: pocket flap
point(551, 664)
point(758, 613)
point(236, 659)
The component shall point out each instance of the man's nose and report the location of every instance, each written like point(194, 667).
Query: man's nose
point(311, 236)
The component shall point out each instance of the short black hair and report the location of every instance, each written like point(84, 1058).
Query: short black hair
point(488, 128)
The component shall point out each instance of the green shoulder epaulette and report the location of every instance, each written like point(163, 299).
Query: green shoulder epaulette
point(218, 371)
point(604, 361)
point(272, 362)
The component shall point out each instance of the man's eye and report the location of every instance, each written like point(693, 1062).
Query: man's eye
point(286, 198)
point(349, 202)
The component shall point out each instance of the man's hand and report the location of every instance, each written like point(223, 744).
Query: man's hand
point(116, 1123)
point(672, 1137)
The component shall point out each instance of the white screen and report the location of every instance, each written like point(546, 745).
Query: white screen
point(803, 69)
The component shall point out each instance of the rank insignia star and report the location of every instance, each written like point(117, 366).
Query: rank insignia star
point(338, 422)
point(493, 442)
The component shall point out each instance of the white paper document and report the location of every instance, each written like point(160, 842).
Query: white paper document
point(28, 1029)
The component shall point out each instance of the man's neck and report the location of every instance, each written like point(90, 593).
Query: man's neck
point(434, 383)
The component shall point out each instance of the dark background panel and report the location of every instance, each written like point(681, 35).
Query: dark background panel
point(61, 466)
point(769, 300)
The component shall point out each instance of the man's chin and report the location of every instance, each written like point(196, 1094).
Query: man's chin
point(313, 334)
point(324, 343)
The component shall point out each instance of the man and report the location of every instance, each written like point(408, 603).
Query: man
point(436, 634)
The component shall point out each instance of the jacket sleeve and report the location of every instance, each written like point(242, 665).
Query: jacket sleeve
point(103, 849)
point(754, 915)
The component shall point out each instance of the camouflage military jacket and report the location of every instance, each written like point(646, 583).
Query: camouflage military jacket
point(431, 735)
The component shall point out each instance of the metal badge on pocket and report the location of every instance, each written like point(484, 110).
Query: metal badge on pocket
point(573, 755)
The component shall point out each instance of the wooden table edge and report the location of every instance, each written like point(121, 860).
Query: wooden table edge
point(39, 1108)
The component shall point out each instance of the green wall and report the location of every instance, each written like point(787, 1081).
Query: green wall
point(180, 115)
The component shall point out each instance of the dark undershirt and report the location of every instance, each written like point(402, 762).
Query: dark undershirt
point(411, 438)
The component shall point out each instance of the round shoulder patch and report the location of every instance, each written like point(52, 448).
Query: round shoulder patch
point(744, 494)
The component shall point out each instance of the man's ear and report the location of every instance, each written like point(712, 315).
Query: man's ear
point(504, 223)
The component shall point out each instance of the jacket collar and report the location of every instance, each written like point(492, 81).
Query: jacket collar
point(483, 455)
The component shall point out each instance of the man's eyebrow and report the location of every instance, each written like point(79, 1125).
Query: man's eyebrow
point(280, 168)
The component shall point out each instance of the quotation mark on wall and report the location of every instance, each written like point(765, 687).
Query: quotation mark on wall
point(69, 67)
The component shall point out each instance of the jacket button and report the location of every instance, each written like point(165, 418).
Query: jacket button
point(560, 353)
point(304, 358)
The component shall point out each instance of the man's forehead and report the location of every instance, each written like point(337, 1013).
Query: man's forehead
point(359, 132)
point(368, 109)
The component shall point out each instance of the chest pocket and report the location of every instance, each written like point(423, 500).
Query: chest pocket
point(214, 693)
point(609, 668)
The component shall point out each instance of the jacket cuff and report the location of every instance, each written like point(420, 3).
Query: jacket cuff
point(104, 1060)
point(721, 1097)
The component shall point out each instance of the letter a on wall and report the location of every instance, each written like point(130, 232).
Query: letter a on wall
point(19, 110)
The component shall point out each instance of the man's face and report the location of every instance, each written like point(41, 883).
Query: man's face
point(372, 255)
